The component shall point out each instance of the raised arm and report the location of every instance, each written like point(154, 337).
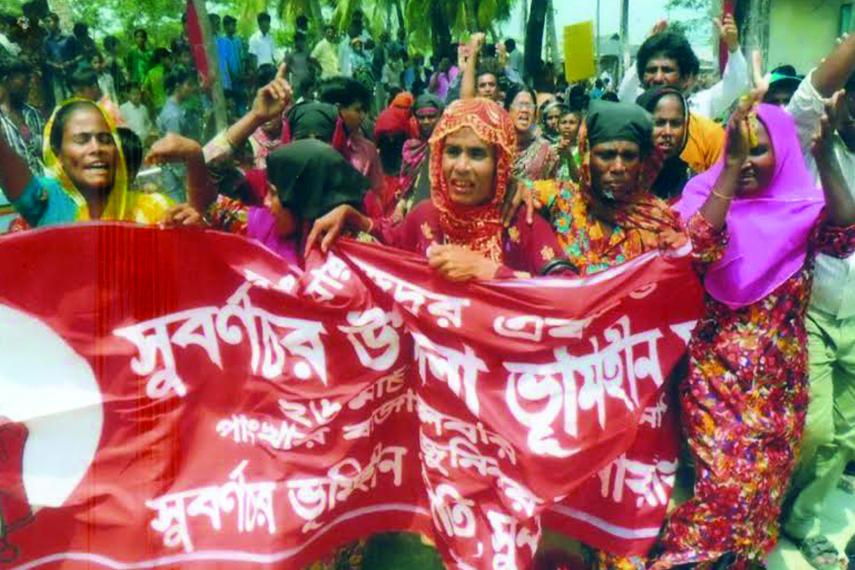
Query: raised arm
point(469, 64)
point(15, 175)
point(735, 79)
point(807, 105)
point(840, 206)
point(716, 207)
point(270, 102)
point(630, 85)
point(201, 191)
point(833, 72)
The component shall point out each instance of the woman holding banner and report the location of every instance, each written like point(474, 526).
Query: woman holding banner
point(460, 229)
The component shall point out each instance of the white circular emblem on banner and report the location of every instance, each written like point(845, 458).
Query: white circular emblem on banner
point(52, 390)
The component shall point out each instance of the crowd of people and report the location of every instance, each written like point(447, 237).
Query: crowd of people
point(488, 177)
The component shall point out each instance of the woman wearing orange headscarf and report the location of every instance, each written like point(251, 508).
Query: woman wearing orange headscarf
point(460, 228)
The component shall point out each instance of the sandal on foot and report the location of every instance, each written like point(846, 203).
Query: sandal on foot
point(820, 553)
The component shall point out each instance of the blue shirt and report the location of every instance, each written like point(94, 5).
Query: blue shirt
point(172, 119)
point(45, 203)
point(227, 53)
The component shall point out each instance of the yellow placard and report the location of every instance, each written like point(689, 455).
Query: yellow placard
point(579, 61)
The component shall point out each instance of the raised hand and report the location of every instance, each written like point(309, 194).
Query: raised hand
point(728, 31)
point(476, 41)
point(272, 99)
point(658, 27)
point(837, 111)
point(738, 133)
point(836, 114)
point(172, 148)
point(760, 81)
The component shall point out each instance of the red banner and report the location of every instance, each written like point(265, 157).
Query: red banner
point(187, 399)
point(193, 29)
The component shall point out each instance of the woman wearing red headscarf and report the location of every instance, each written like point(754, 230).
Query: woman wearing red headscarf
point(460, 228)
point(392, 129)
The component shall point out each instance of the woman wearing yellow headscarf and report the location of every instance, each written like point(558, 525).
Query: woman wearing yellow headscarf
point(87, 177)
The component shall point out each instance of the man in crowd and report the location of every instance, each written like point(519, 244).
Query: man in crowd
point(487, 84)
point(136, 114)
point(60, 56)
point(302, 67)
point(84, 84)
point(111, 62)
point(514, 66)
point(828, 443)
point(22, 124)
point(326, 53)
point(86, 45)
point(667, 58)
point(227, 57)
point(261, 45)
point(173, 118)
point(783, 82)
point(139, 57)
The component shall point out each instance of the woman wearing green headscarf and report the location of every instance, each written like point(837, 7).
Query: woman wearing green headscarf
point(87, 176)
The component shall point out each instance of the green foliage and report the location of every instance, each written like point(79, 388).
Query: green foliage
point(705, 5)
point(692, 27)
point(162, 18)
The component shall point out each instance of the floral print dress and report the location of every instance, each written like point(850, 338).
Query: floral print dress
point(585, 239)
point(743, 410)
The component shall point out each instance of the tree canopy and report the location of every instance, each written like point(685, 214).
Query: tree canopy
point(430, 23)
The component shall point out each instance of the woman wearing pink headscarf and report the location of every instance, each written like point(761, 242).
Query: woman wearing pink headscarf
point(756, 220)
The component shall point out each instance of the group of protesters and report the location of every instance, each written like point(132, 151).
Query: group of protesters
point(489, 178)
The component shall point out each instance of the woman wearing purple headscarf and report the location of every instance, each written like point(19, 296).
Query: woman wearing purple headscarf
point(756, 220)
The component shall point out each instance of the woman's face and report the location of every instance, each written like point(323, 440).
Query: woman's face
point(759, 168)
point(427, 122)
point(286, 223)
point(353, 115)
point(88, 152)
point(552, 118)
point(614, 169)
point(469, 167)
point(669, 125)
point(568, 126)
point(522, 111)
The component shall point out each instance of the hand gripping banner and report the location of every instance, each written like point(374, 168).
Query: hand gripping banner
point(175, 398)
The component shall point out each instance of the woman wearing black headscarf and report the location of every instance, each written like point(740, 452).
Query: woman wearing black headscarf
point(307, 178)
point(670, 135)
point(611, 216)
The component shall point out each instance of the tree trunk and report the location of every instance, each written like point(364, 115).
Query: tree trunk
point(62, 8)
point(316, 12)
point(400, 12)
point(534, 38)
point(472, 20)
point(624, 38)
point(218, 98)
point(441, 38)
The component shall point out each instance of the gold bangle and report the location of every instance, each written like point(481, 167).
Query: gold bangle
point(721, 196)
